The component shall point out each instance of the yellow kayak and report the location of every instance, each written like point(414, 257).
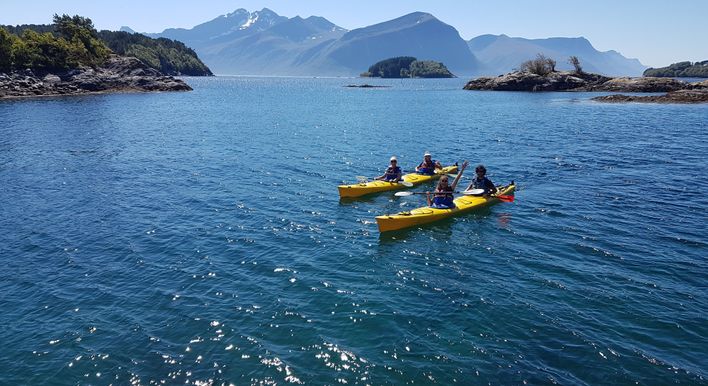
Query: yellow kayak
point(424, 215)
point(362, 188)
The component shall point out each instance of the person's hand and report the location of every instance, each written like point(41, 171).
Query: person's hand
point(465, 165)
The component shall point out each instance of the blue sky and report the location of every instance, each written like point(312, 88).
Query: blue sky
point(656, 32)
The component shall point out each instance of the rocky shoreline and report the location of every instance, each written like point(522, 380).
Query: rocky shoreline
point(118, 74)
point(365, 85)
point(678, 91)
point(680, 96)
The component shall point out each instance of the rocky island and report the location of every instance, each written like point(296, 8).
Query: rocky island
point(408, 67)
point(71, 59)
point(117, 74)
point(540, 75)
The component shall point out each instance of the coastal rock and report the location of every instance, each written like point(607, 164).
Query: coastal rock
point(118, 74)
point(701, 85)
point(365, 85)
point(51, 79)
point(680, 96)
point(572, 81)
point(526, 81)
point(644, 84)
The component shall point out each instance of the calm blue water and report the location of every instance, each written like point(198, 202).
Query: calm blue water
point(198, 238)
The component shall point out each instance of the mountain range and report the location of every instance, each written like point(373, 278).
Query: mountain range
point(502, 54)
point(265, 43)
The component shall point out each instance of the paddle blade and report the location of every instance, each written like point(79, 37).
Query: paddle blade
point(504, 198)
point(403, 194)
point(406, 184)
point(473, 192)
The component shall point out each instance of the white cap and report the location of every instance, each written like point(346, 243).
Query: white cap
point(427, 154)
point(393, 158)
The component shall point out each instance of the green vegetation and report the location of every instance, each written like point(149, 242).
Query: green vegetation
point(408, 67)
point(542, 65)
point(72, 41)
point(681, 70)
point(429, 69)
point(170, 57)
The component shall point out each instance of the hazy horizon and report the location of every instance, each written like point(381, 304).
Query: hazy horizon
point(608, 25)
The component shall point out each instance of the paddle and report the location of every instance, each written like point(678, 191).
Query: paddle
point(479, 192)
point(504, 198)
point(406, 194)
point(363, 180)
point(473, 192)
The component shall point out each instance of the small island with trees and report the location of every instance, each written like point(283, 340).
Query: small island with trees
point(408, 67)
point(71, 57)
point(680, 70)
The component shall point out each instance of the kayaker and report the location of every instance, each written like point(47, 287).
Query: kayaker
point(482, 182)
point(428, 165)
point(393, 172)
point(443, 194)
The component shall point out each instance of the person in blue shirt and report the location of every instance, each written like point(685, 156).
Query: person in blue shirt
point(428, 165)
point(393, 172)
point(443, 195)
point(482, 182)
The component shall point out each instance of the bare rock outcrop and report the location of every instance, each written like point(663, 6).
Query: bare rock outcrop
point(680, 96)
point(118, 74)
point(572, 81)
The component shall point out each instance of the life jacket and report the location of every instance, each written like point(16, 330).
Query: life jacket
point(392, 173)
point(427, 168)
point(443, 199)
point(482, 183)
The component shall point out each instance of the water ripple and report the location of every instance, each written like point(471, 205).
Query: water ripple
point(196, 238)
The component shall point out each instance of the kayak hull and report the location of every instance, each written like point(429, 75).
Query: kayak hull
point(426, 215)
point(364, 188)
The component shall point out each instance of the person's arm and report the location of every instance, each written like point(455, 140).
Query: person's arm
point(381, 177)
point(492, 188)
point(427, 195)
point(459, 175)
point(438, 165)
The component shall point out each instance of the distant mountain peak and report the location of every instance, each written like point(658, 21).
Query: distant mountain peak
point(236, 13)
point(267, 11)
point(414, 18)
point(126, 29)
point(417, 14)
